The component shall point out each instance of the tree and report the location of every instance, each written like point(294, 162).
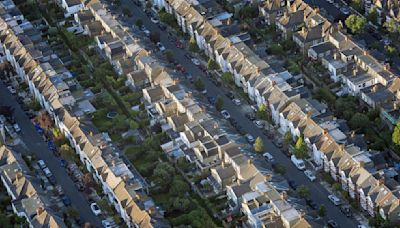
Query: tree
point(396, 134)
point(72, 212)
point(181, 204)
point(357, 5)
point(359, 121)
point(193, 45)
point(355, 23)
point(300, 149)
point(66, 152)
point(219, 103)
point(259, 145)
point(126, 11)
point(276, 49)
point(281, 169)
point(139, 23)
point(390, 51)
point(199, 84)
point(133, 124)
point(373, 15)
point(178, 187)
point(391, 26)
point(155, 36)
point(227, 77)
point(162, 175)
point(262, 112)
point(303, 191)
point(288, 138)
point(212, 65)
point(169, 55)
point(322, 211)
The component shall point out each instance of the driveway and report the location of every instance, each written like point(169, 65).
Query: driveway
point(39, 148)
point(318, 193)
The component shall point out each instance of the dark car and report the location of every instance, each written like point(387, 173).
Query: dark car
point(293, 184)
point(230, 95)
point(250, 116)
point(211, 100)
point(278, 143)
point(233, 122)
point(312, 204)
point(162, 27)
point(286, 152)
point(66, 201)
point(345, 209)
point(332, 224)
point(52, 179)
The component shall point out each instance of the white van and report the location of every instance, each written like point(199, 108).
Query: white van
point(299, 163)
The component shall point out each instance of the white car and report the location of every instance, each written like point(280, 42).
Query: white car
point(225, 114)
point(335, 200)
point(107, 224)
point(268, 157)
point(204, 91)
point(195, 61)
point(41, 164)
point(11, 89)
point(95, 209)
point(258, 123)
point(237, 102)
point(47, 172)
point(299, 163)
point(310, 175)
point(17, 128)
point(250, 138)
point(160, 46)
point(154, 20)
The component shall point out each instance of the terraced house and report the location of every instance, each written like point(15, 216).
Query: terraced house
point(289, 108)
point(54, 87)
point(28, 198)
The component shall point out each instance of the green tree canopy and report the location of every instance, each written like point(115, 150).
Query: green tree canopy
point(359, 121)
point(262, 112)
point(227, 77)
point(355, 23)
point(219, 103)
point(193, 45)
point(163, 175)
point(391, 26)
point(259, 145)
point(373, 15)
point(178, 187)
point(303, 191)
point(212, 65)
point(322, 211)
point(396, 134)
point(139, 23)
point(301, 150)
point(199, 84)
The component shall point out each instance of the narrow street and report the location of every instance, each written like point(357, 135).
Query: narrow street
point(317, 191)
point(39, 148)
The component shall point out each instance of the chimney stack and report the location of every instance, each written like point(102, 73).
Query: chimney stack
point(39, 210)
point(284, 195)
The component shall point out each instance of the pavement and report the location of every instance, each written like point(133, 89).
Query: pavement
point(34, 142)
point(318, 192)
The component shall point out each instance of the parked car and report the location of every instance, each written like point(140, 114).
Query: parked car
point(95, 209)
point(312, 204)
point(66, 201)
point(230, 95)
point(299, 163)
point(332, 223)
point(250, 116)
point(225, 114)
point(17, 128)
point(258, 123)
point(335, 200)
point(310, 175)
point(41, 164)
point(233, 122)
point(11, 89)
point(237, 102)
point(47, 172)
point(195, 61)
point(286, 152)
point(154, 20)
point(345, 10)
point(346, 210)
point(268, 157)
point(278, 143)
point(211, 100)
point(250, 138)
point(293, 184)
point(160, 47)
point(106, 224)
point(162, 26)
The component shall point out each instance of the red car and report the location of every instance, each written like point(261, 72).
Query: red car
point(179, 44)
point(180, 68)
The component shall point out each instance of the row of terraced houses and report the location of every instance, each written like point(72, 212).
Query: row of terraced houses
point(359, 73)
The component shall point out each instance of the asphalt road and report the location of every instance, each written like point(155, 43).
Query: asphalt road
point(39, 148)
point(318, 193)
